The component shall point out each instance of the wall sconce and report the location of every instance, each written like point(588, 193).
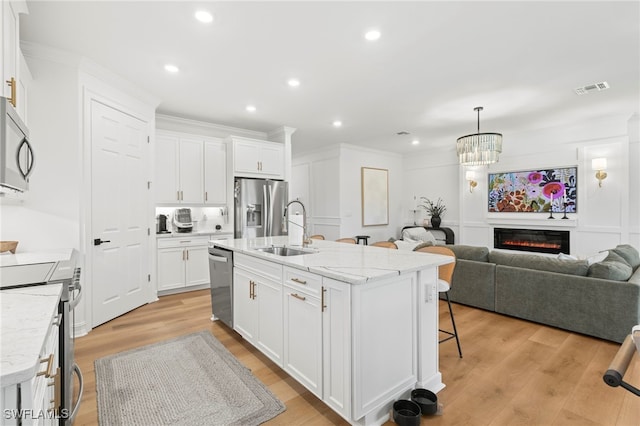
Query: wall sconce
point(599, 165)
point(470, 176)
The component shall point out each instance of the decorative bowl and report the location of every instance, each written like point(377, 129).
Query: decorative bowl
point(8, 246)
point(426, 400)
point(406, 413)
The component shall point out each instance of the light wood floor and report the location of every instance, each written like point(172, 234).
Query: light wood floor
point(513, 372)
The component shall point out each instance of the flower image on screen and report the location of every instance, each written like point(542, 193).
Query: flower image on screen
point(534, 191)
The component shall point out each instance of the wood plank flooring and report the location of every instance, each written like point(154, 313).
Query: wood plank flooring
point(513, 372)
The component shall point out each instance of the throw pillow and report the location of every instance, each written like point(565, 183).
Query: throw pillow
point(614, 268)
point(418, 234)
point(598, 257)
point(629, 254)
point(563, 256)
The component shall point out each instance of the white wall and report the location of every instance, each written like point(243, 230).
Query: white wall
point(606, 216)
point(48, 215)
point(329, 183)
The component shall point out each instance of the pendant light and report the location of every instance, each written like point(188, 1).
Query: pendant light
point(479, 148)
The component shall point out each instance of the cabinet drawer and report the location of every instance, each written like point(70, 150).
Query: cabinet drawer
point(186, 241)
point(303, 280)
point(258, 266)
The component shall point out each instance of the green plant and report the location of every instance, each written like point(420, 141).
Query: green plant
point(434, 209)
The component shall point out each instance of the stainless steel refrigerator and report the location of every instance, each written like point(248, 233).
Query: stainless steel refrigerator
point(259, 207)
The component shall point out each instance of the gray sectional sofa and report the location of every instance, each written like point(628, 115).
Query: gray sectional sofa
point(601, 299)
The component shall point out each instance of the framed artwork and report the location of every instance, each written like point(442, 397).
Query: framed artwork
point(535, 191)
point(375, 196)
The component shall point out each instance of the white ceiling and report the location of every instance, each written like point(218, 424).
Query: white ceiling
point(433, 64)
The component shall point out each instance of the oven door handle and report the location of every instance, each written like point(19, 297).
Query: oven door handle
point(75, 369)
point(75, 285)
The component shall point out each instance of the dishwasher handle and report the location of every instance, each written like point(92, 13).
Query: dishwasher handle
point(218, 258)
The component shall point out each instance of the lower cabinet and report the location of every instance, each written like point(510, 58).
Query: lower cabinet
point(37, 399)
point(303, 338)
point(257, 305)
point(182, 262)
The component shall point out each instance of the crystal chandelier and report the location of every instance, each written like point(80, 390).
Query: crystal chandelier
point(479, 148)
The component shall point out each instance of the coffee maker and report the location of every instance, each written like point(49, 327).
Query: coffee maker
point(161, 224)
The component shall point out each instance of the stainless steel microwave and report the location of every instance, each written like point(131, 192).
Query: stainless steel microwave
point(16, 153)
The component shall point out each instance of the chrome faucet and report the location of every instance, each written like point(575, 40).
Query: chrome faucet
point(305, 240)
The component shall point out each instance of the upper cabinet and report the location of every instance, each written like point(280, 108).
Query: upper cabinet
point(190, 169)
point(15, 75)
point(256, 158)
point(215, 172)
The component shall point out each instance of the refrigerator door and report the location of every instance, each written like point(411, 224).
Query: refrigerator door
point(277, 196)
point(250, 208)
point(259, 207)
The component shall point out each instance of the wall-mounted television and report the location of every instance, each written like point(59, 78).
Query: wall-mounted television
point(534, 191)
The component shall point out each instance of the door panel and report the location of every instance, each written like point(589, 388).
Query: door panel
point(119, 199)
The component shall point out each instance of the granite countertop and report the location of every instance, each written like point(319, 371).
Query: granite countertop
point(351, 263)
point(25, 314)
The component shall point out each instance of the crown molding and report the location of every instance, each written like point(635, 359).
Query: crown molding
point(218, 129)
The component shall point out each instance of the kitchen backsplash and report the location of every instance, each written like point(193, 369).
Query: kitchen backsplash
point(203, 218)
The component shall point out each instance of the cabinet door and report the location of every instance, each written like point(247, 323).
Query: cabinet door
point(191, 171)
point(171, 268)
point(167, 179)
point(197, 266)
point(245, 312)
point(215, 173)
point(336, 358)
point(10, 43)
point(303, 339)
point(272, 160)
point(246, 157)
point(269, 297)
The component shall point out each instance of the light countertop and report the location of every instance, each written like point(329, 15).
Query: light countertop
point(30, 258)
point(351, 263)
point(25, 314)
point(199, 233)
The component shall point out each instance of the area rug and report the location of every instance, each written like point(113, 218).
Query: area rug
point(189, 380)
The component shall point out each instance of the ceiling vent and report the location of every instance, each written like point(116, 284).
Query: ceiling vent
point(402, 133)
point(595, 87)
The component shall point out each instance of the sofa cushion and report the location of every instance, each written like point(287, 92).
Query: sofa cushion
point(479, 254)
point(629, 254)
point(614, 267)
point(540, 263)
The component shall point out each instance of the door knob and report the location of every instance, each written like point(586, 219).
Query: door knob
point(98, 241)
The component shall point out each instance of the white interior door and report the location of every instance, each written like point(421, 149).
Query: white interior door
point(119, 199)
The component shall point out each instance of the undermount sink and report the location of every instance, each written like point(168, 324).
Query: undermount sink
point(284, 251)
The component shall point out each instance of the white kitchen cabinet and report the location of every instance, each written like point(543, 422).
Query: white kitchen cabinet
point(179, 170)
point(257, 304)
point(215, 172)
point(182, 262)
point(13, 84)
point(256, 158)
point(35, 398)
point(336, 346)
point(303, 330)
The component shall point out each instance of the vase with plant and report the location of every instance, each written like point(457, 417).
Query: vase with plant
point(434, 209)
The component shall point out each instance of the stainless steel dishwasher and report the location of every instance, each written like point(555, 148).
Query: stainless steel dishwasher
point(221, 273)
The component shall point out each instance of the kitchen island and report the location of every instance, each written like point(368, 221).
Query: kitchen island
point(357, 325)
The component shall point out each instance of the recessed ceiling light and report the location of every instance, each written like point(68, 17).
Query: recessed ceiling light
point(204, 16)
point(171, 68)
point(372, 35)
point(294, 82)
point(337, 123)
point(415, 142)
point(251, 108)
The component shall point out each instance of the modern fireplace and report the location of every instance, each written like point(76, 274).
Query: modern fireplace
point(537, 240)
